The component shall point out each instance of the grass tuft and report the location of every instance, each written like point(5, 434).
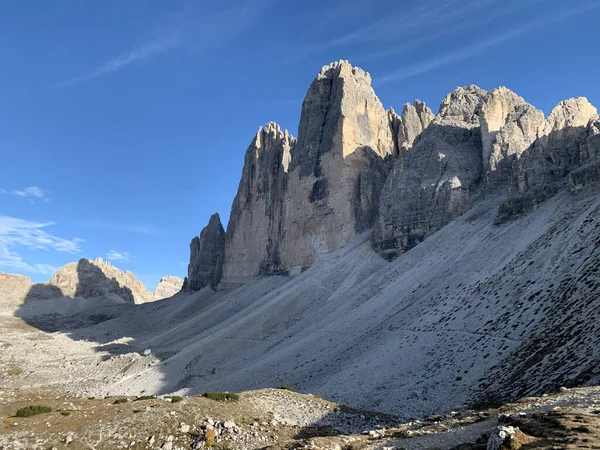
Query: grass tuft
point(119, 401)
point(287, 388)
point(221, 396)
point(33, 410)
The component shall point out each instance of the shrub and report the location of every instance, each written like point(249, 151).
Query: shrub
point(209, 437)
point(288, 388)
point(221, 396)
point(33, 410)
point(175, 398)
point(145, 397)
point(65, 413)
point(119, 401)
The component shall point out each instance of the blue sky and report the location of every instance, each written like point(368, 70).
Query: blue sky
point(123, 124)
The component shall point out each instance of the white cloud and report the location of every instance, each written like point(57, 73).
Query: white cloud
point(30, 193)
point(15, 233)
point(195, 26)
point(114, 255)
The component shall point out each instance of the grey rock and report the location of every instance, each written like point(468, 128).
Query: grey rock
point(206, 257)
point(337, 165)
point(434, 182)
point(167, 287)
point(255, 227)
point(407, 126)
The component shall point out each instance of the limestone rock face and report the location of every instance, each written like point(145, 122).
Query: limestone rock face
point(337, 167)
point(98, 278)
point(434, 182)
point(509, 126)
point(14, 289)
point(167, 287)
point(407, 126)
point(206, 257)
point(562, 145)
point(255, 227)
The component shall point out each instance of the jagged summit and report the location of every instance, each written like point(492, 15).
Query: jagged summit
point(343, 68)
point(356, 166)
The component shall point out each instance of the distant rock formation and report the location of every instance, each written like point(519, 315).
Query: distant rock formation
point(98, 278)
point(13, 289)
point(167, 287)
point(206, 257)
point(254, 230)
point(83, 279)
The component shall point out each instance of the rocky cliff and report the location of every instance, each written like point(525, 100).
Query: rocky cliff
point(97, 278)
point(206, 257)
point(86, 279)
point(356, 166)
point(167, 287)
point(254, 230)
point(338, 165)
point(481, 144)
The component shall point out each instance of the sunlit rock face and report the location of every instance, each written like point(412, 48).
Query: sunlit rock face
point(338, 167)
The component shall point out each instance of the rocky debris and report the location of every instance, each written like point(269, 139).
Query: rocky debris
point(254, 230)
point(98, 278)
point(337, 167)
point(206, 257)
point(167, 287)
point(406, 127)
point(434, 183)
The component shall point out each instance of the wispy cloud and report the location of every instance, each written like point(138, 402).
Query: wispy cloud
point(31, 193)
point(124, 227)
point(15, 233)
point(116, 256)
point(398, 25)
point(195, 26)
point(480, 47)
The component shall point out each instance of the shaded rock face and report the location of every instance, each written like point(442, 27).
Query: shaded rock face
point(434, 182)
point(255, 227)
point(561, 147)
point(167, 287)
point(337, 167)
point(483, 143)
point(99, 278)
point(206, 257)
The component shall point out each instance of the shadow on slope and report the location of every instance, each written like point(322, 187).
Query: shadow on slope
point(412, 337)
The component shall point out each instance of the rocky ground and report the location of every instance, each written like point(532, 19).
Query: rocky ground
point(266, 418)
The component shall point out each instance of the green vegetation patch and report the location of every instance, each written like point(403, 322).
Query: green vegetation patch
point(33, 410)
point(287, 388)
point(221, 396)
point(174, 398)
point(119, 401)
point(145, 397)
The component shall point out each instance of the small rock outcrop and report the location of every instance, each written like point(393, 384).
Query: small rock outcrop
point(206, 257)
point(406, 127)
point(254, 230)
point(167, 287)
point(14, 289)
point(337, 169)
point(98, 278)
